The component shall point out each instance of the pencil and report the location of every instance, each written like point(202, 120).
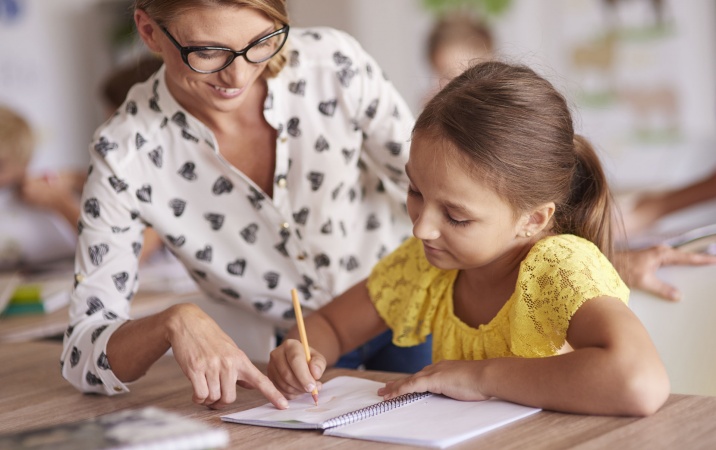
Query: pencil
point(302, 334)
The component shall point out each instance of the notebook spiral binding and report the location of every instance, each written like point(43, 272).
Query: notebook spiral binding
point(372, 410)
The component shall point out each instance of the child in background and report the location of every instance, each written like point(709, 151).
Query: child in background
point(46, 230)
point(507, 269)
point(116, 86)
point(39, 212)
point(456, 42)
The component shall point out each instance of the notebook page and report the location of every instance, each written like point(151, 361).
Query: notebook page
point(435, 421)
point(338, 396)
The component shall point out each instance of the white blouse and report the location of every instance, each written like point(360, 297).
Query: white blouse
point(337, 206)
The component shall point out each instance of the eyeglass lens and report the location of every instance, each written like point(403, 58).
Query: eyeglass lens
point(207, 60)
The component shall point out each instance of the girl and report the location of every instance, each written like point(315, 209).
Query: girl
point(507, 269)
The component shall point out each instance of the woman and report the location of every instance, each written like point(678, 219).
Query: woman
point(277, 166)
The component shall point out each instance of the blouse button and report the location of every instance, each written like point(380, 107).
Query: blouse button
point(283, 139)
point(117, 389)
point(285, 226)
point(302, 256)
point(281, 182)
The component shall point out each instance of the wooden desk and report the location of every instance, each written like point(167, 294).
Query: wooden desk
point(33, 394)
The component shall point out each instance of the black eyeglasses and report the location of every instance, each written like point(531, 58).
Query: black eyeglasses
point(214, 59)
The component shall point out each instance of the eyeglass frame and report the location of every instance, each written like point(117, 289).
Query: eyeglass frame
point(185, 51)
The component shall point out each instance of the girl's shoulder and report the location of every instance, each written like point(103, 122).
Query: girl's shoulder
point(568, 260)
point(564, 249)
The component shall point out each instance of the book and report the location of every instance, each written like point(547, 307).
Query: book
point(8, 283)
point(694, 240)
point(146, 428)
point(697, 240)
point(350, 407)
point(41, 295)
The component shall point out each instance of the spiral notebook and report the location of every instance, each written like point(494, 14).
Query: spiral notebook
point(350, 407)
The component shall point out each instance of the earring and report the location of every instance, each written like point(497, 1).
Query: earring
point(528, 234)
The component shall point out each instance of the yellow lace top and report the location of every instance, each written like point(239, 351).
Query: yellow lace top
point(556, 277)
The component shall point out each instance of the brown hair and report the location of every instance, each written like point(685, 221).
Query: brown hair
point(17, 141)
point(117, 85)
point(517, 130)
point(458, 28)
point(165, 11)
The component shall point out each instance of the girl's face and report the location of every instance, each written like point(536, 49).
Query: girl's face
point(462, 222)
point(230, 27)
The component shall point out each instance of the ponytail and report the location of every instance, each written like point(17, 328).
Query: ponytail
point(588, 211)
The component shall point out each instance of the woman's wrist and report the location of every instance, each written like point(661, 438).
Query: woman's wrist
point(174, 320)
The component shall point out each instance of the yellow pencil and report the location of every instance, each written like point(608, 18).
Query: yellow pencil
point(302, 334)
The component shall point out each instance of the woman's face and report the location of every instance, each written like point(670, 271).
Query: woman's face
point(230, 27)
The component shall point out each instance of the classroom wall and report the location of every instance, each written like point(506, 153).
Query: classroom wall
point(675, 143)
point(50, 60)
point(61, 51)
point(648, 100)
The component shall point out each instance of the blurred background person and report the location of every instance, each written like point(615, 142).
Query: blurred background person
point(457, 41)
point(39, 211)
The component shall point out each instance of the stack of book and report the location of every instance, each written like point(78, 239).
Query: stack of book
point(19, 296)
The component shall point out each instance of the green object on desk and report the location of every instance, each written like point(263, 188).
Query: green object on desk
point(23, 309)
point(27, 294)
point(26, 299)
point(36, 298)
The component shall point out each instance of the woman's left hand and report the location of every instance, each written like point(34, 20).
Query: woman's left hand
point(455, 379)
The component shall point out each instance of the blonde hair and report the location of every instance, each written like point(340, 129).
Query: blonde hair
point(17, 141)
point(165, 11)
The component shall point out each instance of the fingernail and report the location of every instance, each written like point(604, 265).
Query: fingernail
point(310, 387)
point(283, 403)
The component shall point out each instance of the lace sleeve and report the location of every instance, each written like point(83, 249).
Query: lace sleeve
point(556, 278)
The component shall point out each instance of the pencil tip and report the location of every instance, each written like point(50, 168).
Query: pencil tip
point(315, 398)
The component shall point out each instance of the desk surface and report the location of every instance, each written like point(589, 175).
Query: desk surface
point(33, 394)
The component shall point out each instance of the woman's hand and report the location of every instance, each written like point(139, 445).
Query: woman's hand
point(290, 372)
point(212, 361)
point(455, 379)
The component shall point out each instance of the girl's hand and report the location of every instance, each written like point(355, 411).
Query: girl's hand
point(290, 372)
point(213, 363)
point(455, 379)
